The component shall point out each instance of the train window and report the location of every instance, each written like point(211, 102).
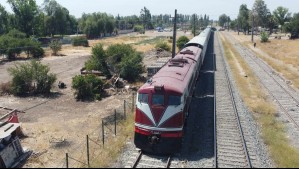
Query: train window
point(158, 99)
point(143, 98)
point(174, 100)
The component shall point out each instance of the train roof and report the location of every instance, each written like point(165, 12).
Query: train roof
point(199, 40)
point(176, 71)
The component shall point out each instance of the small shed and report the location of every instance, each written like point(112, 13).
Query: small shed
point(12, 153)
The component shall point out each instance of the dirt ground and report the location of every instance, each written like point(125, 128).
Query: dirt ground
point(61, 117)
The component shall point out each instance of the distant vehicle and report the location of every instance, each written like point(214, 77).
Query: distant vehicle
point(159, 29)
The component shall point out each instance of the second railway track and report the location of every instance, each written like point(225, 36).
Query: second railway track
point(230, 145)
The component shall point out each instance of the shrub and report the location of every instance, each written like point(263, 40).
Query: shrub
point(87, 87)
point(139, 28)
point(5, 88)
point(163, 45)
point(31, 78)
point(98, 60)
point(80, 41)
point(131, 67)
point(55, 46)
point(117, 52)
point(264, 37)
point(181, 42)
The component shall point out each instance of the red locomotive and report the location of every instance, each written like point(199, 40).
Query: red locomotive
point(163, 102)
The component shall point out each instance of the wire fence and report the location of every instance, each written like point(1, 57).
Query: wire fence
point(95, 146)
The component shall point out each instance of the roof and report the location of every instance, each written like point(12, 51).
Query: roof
point(7, 129)
point(200, 39)
point(176, 74)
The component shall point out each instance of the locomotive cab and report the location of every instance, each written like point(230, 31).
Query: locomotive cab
point(159, 120)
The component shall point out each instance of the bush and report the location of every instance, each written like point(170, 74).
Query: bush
point(181, 42)
point(293, 26)
point(55, 46)
point(163, 45)
point(87, 87)
point(5, 88)
point(80, 41)
point(98, 60)
point(131, 67)
point(31, 78)
point(264, 37)
point(117, 52)
point(139, 28)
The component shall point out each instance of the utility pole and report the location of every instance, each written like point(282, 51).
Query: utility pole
point(194, 25)
point(174, 35)
point(252, 29)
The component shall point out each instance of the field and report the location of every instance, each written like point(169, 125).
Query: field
point(61, 117)
point(282, 55)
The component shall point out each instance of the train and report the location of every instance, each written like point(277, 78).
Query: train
point(163, 102)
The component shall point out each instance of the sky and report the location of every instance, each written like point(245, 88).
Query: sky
point(213, 8)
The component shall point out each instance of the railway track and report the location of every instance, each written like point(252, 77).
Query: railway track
point(142, 160)
point(285, 96)
point(230, 145)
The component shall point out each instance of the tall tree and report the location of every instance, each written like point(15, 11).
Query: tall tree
point(243, 18)
point(146, 17)
point(26, 12)
point(3, 20)
point(281, 16)
point(293, 26)
point(223, 19)
point(260, 13)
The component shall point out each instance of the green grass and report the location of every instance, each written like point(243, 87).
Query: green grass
point(273, 131)
point(152, 40)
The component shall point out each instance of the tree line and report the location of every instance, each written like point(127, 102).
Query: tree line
point(260, 16)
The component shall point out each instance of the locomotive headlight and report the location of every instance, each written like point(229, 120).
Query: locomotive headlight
point(154, 139)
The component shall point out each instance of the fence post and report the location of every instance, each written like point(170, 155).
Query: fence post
point(67, 160)
point(133, 102)
point(125, 113)
point(87, 144)
point(115, 118)
point(103, 133)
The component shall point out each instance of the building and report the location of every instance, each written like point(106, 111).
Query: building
point(12, 154)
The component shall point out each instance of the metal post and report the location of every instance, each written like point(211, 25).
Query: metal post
point(115, 122)
point(103, 133)
point(252, 29)
point(194, 21)
point(125, 113)
point(174, 35)
point(133, 102)
point(87, 146)
point(67, 160)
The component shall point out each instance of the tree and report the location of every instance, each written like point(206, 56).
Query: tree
point(243, 18)
point(26, 12)
point(15, 42)
point(223, 19)
point(131, 67)
point(293, 26)
point(98, 60)
point(260, 13)
point(3, 20)
point(281, 16)
point(146, 17)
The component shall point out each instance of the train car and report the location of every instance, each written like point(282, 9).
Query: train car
point(163, 102)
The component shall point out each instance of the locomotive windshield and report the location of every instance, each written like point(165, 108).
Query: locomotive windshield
point(158, 100)
point(143, 98)
point(174, 100)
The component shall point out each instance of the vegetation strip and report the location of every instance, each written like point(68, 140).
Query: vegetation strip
point(256, 100)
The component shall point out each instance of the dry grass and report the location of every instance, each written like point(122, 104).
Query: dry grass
point(273, 132)
point(281, 55)
point(114, 145)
